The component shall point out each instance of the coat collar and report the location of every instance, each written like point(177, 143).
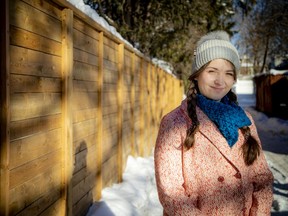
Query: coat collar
point(210, 131)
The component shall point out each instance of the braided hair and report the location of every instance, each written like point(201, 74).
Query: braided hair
point(250, 149)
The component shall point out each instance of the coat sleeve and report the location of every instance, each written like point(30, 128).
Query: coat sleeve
point(168, 170)
point(262, 181)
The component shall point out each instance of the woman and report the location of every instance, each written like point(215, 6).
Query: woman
point(208, 156)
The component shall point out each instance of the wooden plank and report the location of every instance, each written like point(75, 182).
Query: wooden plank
point(85, 43)
point(85, 86)
point(110, 43)
point(30, 62)
point(28, 127)
point(38, 193)
point(110, 66)
point(109, 167)
point(85, 57)
point(47, 7)
point(85, 72)
point(32, 105)
point(31, 19)
point(28, 171)
point(84, 100)
point(82, 206)
point(84, 114)
point(30, 84)
point(5, 108)
point(110, 54)
point(67, 103)
point(30, 148)
point(85, 28)
point(83, 129)
point(53, 209)
point(29, 40)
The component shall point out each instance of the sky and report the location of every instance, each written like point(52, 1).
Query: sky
point(137, 194)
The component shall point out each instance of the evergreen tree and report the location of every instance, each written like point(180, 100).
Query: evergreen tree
point(166, 29)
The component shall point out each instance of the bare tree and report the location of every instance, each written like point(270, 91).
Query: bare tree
point(264, 32)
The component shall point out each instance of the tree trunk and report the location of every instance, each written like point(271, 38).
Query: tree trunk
point(265, 54)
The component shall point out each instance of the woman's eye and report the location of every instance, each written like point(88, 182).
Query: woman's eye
point(230, 74)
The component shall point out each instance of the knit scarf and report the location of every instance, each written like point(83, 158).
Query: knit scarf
point(226, 115)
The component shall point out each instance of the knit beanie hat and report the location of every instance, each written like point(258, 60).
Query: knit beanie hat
point(212, 46)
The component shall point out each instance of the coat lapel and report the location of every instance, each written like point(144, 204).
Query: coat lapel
point(209, 130)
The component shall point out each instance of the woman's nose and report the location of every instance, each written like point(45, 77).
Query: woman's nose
point(219, 79)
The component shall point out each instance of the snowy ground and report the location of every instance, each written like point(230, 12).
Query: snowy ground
point(137, 194)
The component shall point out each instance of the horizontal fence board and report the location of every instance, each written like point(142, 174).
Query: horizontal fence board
point(85, 72)
point(46, 7)
point(85, 57)
point(85, 29)
point(109, 168)
point(82, 206)
point(84, 114)
point(23, 38)
point(30, 62)
point(84, 129)
point(28, 171)
point(84, 100)
point(30, 148)
point(28, 127)
point(31, 105)
point(34, 84)
point(55, 209)
point(85, 43)
point(85, 86)
point(38, 193)
point(30, 18)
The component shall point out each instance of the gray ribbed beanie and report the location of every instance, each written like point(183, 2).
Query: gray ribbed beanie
point(212, 46)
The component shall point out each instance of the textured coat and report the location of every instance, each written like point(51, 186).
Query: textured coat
point(210, 178)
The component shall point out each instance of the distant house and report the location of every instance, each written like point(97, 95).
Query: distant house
point(246, 67)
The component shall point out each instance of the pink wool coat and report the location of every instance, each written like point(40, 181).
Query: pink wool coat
point(210, 178)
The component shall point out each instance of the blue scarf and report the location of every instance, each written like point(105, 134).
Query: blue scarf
point(227, 116)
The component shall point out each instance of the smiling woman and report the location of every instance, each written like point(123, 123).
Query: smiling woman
point(208, 156)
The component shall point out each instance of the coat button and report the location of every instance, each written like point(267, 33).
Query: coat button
point(220, 178)
point(238, 175)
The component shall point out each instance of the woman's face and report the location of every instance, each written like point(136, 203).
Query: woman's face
point(216, 80)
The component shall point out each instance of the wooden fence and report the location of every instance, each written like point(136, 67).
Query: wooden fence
point(271, 94)
point(75, 102)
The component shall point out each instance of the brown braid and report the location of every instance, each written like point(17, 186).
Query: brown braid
point(191, 109)
point(250, 149)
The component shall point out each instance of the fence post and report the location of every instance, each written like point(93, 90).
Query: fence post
point(148, 117)
point(132, 109)
point(141, 136)
point(67, 89)
point(120, 109)
point(99, 116)
point(5, 110)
